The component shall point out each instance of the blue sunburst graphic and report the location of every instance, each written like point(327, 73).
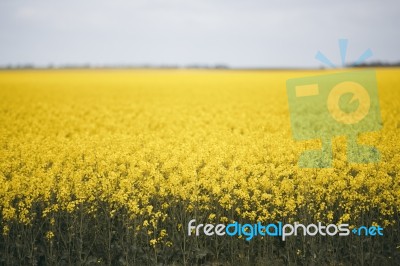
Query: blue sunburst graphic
point(343, 52)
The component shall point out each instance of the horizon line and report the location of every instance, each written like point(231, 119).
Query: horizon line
point(188, 66)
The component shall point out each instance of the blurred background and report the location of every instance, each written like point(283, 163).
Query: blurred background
point(188, 33)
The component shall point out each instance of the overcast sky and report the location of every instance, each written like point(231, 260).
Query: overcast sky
point(247, 33)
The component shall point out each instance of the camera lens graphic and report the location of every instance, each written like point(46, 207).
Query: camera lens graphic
point(338, 104)
point(360, 96)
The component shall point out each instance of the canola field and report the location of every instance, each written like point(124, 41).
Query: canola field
point(107, 167)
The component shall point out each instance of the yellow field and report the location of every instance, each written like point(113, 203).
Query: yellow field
point(156, 148)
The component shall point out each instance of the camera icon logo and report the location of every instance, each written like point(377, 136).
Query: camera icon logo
point(340, 104)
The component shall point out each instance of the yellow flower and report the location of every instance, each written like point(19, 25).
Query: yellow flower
point(153, 242)
point(49, 235)
point(6, 230)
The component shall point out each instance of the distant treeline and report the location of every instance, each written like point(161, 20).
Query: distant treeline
point(377, 64)
point(166, 66)
point(116, 66)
